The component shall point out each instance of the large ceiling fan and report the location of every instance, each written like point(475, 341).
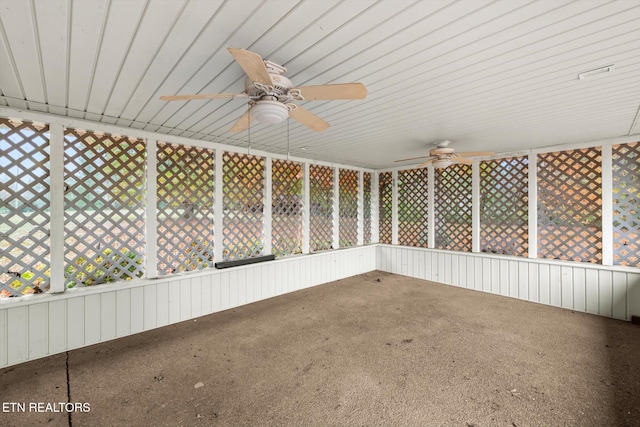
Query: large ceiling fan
point(271, 94)
point(443, 156)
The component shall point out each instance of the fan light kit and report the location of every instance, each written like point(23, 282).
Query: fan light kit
point(444, 156)
point(271, 94)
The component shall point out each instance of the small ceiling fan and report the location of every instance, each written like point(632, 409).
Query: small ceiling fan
point(443, 156)
point(271, 94)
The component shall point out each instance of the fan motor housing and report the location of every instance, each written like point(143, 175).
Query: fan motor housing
point(279, 89)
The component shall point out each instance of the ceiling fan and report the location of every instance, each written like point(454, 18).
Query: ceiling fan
point(271, 94)
point(443, 156)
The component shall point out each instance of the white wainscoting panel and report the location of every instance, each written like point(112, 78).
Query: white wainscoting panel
point(42, 325)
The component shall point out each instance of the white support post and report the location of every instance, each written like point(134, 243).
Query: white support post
point(336, 207)
point(375, 207)
point(360, 208)
point(56, 186)
point(607, 204)
point(431, 197)
point(151, 266)
point(306, 209)
point(475, 200)
point(267, 205)
point(394, 208)
point(218, 206)
point(533, 205)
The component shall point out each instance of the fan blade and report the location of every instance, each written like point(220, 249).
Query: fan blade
point(252, 64)
point(337, 91)
point(242, 123)
point(463, 160)
point(308, 119)
point(421, 165)
point(476, 153)
point(203, 96)
point(415, 158)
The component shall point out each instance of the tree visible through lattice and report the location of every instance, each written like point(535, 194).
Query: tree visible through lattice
point(104, 213)
point(366, 207)
point(184, 208)
point(626, 204)
point(243, 219)
point(453, 207)
point(570, 205)
point(24, 208)
point(504, 206)
point(412, 207)
point(321, 208)
point(385, 207)
point(348, 203)
point(286, 207)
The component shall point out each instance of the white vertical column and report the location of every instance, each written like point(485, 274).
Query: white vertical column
point(56, 187)
point(306, 209)
point(151, 206)
point(431, 197)
point(336, 207)
point(375, 207)
point(394, 207)
point(607, 204)
point(360, 208)
point(267, 205)
point(475, 206)
point(533, 205)
point(218, 203)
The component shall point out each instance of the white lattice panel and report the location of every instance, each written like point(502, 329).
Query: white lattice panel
point(412, 207)
point(570, 205)
point(243, 204)
point(626, 204)
point(321, 208)
point(24, 208)
point(453, 208)
point(104, 208)
point(348, 202)
point(385, 207)
point(504, 206)
point(366, 207)
point(286, 207)
point(185, 208)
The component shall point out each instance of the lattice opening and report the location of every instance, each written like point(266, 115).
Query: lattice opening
point(320, 208)
point(366, 207)
point(24, 208)
point(243, 219)
point(504, 206)
point(104, 208)
point(453, 208)
point(385, 207)
point(185, 189)
point(413, 210)
point(286, 207)
point(348, 202)
point(570, 205)
point(626, 204)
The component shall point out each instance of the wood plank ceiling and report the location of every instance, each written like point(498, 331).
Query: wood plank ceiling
point(489, 75)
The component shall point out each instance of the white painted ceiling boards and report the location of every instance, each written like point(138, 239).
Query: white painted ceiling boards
point(489, 75)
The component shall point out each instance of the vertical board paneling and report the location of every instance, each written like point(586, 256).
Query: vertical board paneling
point(196, 296)
point(259, 284)
point(500, 274)
point(633, 295)
point(477, 268)
point(206, 294)
point(38, 331)
point(446, 268)
point(566, 287)
point(17, 334)
point(534, 283)
point(486, 275)
point(579, 289)
point(514, 276)
point(554, 285)
point(57, 326)
point(619, 295)
point(592, 291)
point(185, 299)
point(455, 277)
point(544, 284)
point(137, 310)
point(523, 280)
point(175, 297)
point(471, 277)
point(216, 288)
point(150, 319)
point(123, 312)
point(75, 322)
point(107, 315)
point(605, 293)
point(225, 291)
point(233, 288)
point(3, 337)
point(92, 319)
point(162, 304)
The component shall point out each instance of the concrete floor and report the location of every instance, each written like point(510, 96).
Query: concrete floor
point(375, 349)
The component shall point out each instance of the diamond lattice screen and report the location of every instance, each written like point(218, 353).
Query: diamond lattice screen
point(504, 206)
point(385, 207)
point(570, 205)
point(184, 208)
point(320, 208)
point(104, 213)
point(366, 207)
point(286, 207)
point(626, 204)
point(413, 207)
point(24, 208)
point(348, 202)
point(453, 208)
point(243, 218)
